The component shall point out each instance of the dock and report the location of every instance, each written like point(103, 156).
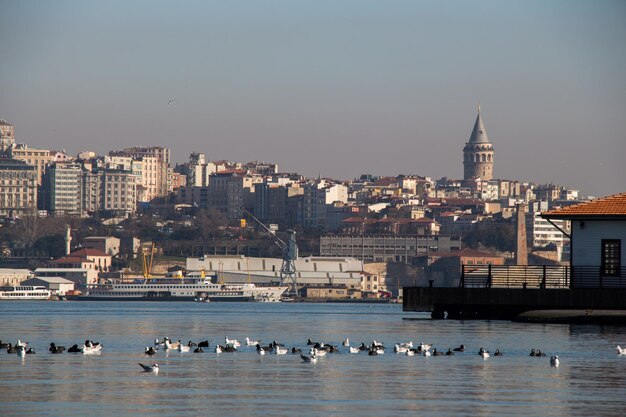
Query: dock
point(511, 303)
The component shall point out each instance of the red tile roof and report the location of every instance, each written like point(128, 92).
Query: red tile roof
point(611, 206)
point(71, 260)
point(83, 253)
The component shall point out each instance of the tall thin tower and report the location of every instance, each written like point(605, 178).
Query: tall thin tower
point(478, 153)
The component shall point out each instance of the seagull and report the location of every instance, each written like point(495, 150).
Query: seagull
point(218, 349)
point(318, 352)
point(310, 359)
point(252, 342)
point(233, 342)
point(169, 345)
point(150, 368)
point(621, 351)
point(90, 350)
point(554, 361)
point(354, 349)
point(484, 354)
point(410, 352)
point(400, 348)
point(346, 343)
point(183, 348)
point(280, 350)
point(171, 101)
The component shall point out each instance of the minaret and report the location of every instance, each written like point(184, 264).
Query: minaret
point(478, 153)
point(68, 239)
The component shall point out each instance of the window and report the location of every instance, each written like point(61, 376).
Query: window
point(611, 253)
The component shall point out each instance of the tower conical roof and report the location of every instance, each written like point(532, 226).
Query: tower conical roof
point(479, 134)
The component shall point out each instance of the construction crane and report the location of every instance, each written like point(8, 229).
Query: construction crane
point(147, 258)
point(289, 251)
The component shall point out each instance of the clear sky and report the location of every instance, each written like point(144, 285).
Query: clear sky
point(334, 87)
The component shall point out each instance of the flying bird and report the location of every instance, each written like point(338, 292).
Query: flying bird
point(171, 101)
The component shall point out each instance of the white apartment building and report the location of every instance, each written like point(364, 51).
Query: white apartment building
point(539, 233)
point(63, 188)
point(317, 196)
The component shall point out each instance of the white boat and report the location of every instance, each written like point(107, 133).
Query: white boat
point(178, 289)
point(24, 292)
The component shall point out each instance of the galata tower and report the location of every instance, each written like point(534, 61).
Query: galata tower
point(478, 153)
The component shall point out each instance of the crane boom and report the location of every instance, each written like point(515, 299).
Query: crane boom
point(289, 252)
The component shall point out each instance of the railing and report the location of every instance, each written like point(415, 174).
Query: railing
point(501, 276)
point(592, 277)
point(517, 276)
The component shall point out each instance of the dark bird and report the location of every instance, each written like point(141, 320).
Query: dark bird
point(540, 353)
point(449, 352)
point(498, 353)
point(533, 352)
point(30, 351)
point(204, 344)
point(437, 353)
point(56, 349)
point(198, 350)
point(296, 350)
point(150, 351)
point(311, 343)
point(460, 349)
point(74, 349)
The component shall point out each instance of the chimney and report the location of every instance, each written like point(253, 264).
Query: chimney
point(521, 251)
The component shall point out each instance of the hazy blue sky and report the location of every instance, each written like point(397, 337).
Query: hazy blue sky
point(335, 87)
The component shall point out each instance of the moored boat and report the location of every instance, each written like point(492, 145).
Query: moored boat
point(178, 289)
point(24, 292)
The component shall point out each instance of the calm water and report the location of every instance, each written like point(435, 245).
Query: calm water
point(590, 381)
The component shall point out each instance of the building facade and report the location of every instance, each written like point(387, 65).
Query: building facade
point(63, 188)
point(39, 158)
point(18, 188)
point(382, 248)
point(7, 136)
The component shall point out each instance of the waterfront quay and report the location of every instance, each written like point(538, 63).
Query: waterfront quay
point(548, 294)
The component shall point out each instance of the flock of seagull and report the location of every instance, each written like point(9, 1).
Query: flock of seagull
point(315, 349)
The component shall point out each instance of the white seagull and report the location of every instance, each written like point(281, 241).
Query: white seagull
point(354, 349)
point(252, 342)
point(346, 342)
point(554, 361)
point(154, 368)
point(218, 349)
point(91, 350)
point(621, 351)
point(280, 350)
point(232, 342)
point(484, 354)
point(183, 348)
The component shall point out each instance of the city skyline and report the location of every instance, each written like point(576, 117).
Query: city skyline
point(337, 89)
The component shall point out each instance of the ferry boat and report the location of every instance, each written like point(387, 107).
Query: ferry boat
point(178, 289)
point(24, 292)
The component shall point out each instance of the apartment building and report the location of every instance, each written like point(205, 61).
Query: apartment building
point(18, 188)
point(39, 158)
point(63, 188)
